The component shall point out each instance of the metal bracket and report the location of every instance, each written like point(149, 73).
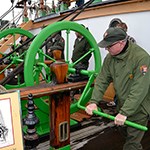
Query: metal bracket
point(63, 131)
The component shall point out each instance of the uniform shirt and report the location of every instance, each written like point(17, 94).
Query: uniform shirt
point(130, 73)
point(81, 47)
point(56, 43)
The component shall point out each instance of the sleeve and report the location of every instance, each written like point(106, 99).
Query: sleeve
point(139, 89)
point(102, 82)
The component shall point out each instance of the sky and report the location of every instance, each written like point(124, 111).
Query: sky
point(5, 5)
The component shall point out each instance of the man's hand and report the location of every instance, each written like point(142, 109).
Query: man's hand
point(49, 50)
point(120, 119)
point(89, 109)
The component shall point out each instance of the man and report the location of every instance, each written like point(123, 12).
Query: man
point(56, 43)
point(81, 47)
point(116, 22)
point(128, 66)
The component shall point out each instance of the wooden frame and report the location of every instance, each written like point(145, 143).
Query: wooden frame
point(10, 122)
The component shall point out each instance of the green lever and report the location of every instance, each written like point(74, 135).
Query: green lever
point(129, 123)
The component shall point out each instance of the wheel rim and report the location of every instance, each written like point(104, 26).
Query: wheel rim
point(13, 32)
point(45, 33)
point(34, 49)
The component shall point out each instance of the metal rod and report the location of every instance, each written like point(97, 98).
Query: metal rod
point(129, 123)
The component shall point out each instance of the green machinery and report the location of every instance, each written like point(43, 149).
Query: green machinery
point(35, 66)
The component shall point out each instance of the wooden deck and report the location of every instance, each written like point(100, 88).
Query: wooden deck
point(95, 133)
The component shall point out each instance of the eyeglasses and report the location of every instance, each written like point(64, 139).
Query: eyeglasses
point(112, 44)
point(117, 42)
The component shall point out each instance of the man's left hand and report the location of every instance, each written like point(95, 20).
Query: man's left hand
point(120, 119)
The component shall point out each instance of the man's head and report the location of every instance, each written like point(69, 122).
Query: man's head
point(78, 35)
point(114, 39)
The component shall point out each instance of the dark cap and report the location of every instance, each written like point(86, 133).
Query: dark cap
point(111, 36)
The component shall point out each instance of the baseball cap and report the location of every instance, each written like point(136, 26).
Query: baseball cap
point(112, 35)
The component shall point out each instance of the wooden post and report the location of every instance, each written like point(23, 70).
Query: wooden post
point(2, 75)
point(59, 109)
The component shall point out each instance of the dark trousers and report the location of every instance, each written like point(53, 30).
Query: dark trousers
point(132, 135)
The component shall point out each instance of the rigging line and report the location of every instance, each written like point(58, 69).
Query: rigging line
point(85, 6)
point(8, 11)
point(18, 18)
point(14, 19)
point(80, 7)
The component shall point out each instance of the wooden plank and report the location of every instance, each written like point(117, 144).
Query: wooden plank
point(48, 89)
point(80, 116)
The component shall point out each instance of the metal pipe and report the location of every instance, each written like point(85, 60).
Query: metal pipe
point(129, 123)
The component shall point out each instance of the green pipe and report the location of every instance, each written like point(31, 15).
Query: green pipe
point(84, 72)
point(129, 123)
point(41, 52)
point(67, 47)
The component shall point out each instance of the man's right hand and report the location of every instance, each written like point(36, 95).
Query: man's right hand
point(89, 108)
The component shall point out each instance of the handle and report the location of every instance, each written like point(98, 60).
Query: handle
point(129, 123)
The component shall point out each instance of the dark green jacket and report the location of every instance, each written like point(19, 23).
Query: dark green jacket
point(81, 47)
point(57, 44)
point(130, 73)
